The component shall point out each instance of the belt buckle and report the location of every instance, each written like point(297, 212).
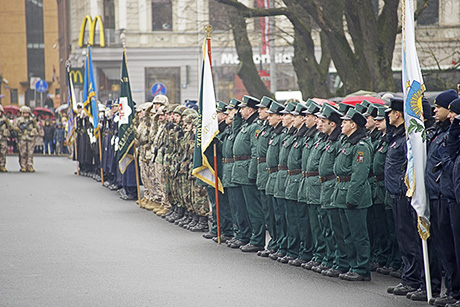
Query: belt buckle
point(375, 178)
point(338, 179)
point(289, 172)
point(258, 160)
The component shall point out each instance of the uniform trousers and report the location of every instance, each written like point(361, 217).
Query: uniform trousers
point(318, 243)
point(292, 228)
point(26, 153)
point(341, 246)
point(267, 207)
point(237, 203)
point(255, 214)
point(279, 205)
point(306, 240)
point(225, 215)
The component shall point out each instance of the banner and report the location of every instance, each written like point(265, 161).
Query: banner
point(413, 88)
point(207, 127)
point(90, 95)
point(72, 102)
point(125, 154)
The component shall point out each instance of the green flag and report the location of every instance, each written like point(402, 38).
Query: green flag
point(125, 125)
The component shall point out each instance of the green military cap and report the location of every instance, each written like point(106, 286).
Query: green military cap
point(276, 108)
point(355, 116)
point(220, 106)
point(171, 108)
point(299, 109)
point(249, 101)
point(329, 112)
point(360, 108)
point(344, 107)
point(189, 111)
point(313, 108)
point(189, 118)
point(309, 102)
point(233, 103)
point(380, 112)
point(179, 110)
point(371, 110)
point(265, 102)
point(366, 103)
point(290, 107)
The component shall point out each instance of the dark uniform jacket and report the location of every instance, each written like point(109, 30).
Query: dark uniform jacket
point(395, 162)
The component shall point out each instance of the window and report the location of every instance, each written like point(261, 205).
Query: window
point(109, 14)
point(430, 15)
point(35, 38)
point(161, 15)
point(218, 16)
point(14, 95)
point(169, 77)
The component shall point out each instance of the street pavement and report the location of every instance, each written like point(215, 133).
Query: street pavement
point(67, 241)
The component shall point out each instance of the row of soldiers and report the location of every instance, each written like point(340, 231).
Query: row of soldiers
point(25, 128)
point(328, 183)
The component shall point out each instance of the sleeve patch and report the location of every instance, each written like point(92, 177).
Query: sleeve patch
point(360, 157)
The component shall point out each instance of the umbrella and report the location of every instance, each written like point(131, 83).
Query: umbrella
point(358, 99)
point(11, 109)
point(43, 112)
point(62, 107)
point(321, 101)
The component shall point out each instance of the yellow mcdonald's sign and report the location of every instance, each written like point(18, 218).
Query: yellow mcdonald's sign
point(77, 76)
point(92, 30)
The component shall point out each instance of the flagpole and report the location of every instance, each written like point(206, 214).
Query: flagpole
point(100, 157)
point(137, 176)
point(208, 29)
point(76, 156)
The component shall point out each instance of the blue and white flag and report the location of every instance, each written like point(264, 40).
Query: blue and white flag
point(90, 94)
point(413, 88)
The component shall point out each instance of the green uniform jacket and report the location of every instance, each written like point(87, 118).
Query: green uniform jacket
point(294, 163)
point(286, 143)
point(261, 149)
point(227, 151)
point(273, 155)
point(374, 136)
point(326, 168)
point(244, 172)
point(310, 187)
point(354, 160)
point(378, 166)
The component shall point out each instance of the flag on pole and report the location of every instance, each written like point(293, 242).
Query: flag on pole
point(413, 88)
point(89, 93)
point(207, 127)
point(125, 125)
point(72, 102)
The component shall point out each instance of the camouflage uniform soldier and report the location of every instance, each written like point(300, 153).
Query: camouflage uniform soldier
point(141, 134)
point(27, 129)
point(5, 128)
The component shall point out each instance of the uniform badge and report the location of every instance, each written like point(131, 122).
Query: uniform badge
point(360, 158)
point(381, 148)
point(242, 129)
point(263, 133)
point(316, 146)
point(343, 150)
point(284, 144)
point(393, 145)
point(327, 147)
point(295, 145)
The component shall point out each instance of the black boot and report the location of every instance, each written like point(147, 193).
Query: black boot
point(185, 219)
point(193, 222)
point(178, 215)
point(202, 225)
point(171, 211)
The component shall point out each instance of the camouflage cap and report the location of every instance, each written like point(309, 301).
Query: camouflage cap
point(290, 107)
point(355, 116)
point(160, 99)
point(220, 106)
point(170, 108)
point(265, 102)
point(160, 111)
point(188, 119)
point(189, 111)
point(25, 109)
point(179, 109)
point(147, 106)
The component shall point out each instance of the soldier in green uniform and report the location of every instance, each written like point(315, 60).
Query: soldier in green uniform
point(226, 224)
point(244, 172)
point(28, 129)
point(298, 225)
point(272, 160)
point(263, 138)
point(330, 118)
point(281, 210)
point(309, 193)
point(388, 249)
point(235, 194)
point(352, 194)
point(5, 128)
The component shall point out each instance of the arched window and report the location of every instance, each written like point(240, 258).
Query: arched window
point(161, 15)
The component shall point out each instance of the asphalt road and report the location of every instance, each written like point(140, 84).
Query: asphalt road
point(67, 241)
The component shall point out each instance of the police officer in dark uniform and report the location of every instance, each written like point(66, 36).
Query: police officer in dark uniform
point(405, 217)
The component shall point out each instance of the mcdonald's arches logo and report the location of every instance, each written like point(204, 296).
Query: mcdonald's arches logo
point(77, 76)
point(92, 30)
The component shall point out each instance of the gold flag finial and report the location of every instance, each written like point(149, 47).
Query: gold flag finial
point(208, 29)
